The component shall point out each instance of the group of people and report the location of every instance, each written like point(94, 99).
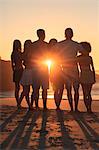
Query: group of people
point(72, 66)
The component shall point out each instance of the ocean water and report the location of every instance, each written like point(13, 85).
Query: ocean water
point(95, 93)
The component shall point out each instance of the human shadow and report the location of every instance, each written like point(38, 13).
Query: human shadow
point(9, 119)
point(94, 116)
point(68, 142)
point(43, 131)
point(13, 139)
point(89, 133)
point(26, 138)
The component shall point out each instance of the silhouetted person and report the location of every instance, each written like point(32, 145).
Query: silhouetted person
point(26, 79)
point(56, 73)
point(69, 51)
point(40, 75)
point(87, 74)
point(16, 60)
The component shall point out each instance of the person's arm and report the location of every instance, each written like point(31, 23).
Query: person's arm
point(92, 65)
point(12, 63)
point(23, 58)
point(78, 64)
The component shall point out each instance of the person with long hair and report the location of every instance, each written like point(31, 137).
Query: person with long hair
point(87, 74)
point(26, 79)
point(17, 67)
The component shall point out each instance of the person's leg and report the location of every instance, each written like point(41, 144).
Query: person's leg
point(21, 96)
point(59, 84)
point(44, 97)
point(26, 93)
point(76, 94)
point(32, 96)
point(85, 95)
point(35, 96)
point(44, 82)
point(35, 88)
point(56, 96)
point(60, 94)
point(89, 88)
point(17, 88)
point(32, 99)
point(69, 94)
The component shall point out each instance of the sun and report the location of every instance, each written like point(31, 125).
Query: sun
point(49, 63)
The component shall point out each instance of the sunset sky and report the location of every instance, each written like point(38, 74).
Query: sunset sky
point(19, 19)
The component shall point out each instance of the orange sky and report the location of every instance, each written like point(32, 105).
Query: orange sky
point(21, 18)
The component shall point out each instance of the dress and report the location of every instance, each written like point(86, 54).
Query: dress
point(16, 58)
point(26, 78)
point(17, 74)
point(86, 74)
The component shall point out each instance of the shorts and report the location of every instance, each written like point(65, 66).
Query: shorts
point(58, 83)
point(40, 79)
point(27, 78)
point(56, 77)
point(17, 74)
point(71, 78)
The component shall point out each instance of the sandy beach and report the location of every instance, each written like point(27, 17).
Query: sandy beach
point(48, 130)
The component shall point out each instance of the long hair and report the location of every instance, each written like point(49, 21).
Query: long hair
point(27, 46)
point(16, 45)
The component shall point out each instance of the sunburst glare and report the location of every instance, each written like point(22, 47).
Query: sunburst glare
point(48, 63)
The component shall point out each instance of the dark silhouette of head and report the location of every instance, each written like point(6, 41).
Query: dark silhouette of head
point(52, 42)
point(86, 47)
point(68, 33)
point(27, 45)
point(41, 34)
point(16, 46)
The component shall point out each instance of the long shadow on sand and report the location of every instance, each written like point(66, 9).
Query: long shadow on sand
point(68, 142)
point(28, 133)
point(95, 118)
point(43, 131)
point(12, 116)
point(90, 134)
point(13, 139)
